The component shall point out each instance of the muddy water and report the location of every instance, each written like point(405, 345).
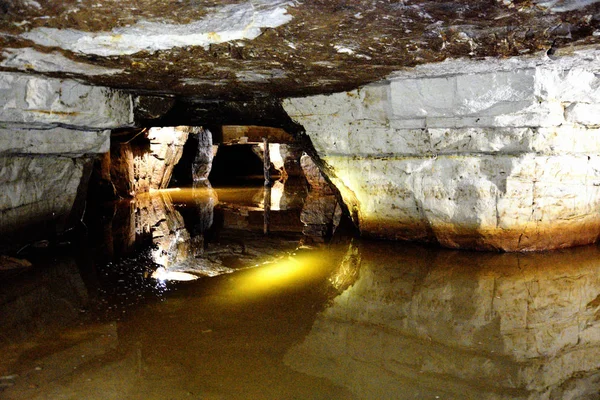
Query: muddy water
point(179, 295)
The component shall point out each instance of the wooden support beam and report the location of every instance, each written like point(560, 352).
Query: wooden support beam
point(267, 210)
point(254, 134)
point(267, 202)
point(266, 161)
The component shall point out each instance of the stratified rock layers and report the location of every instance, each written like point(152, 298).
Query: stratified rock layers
point(49, 131)
point(499, 155)
point(148, 164)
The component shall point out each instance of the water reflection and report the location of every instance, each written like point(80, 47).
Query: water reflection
point(356, 319)
point(41, 300)
point(304, 265)
point(422, 324)
point(202, 231)
point(350, 320)
point(215, 338)
point(178, 246)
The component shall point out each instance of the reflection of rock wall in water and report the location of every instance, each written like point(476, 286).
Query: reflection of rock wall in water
point(174, 247)
point(169, 236)
point(42, 301)
point(462, 325)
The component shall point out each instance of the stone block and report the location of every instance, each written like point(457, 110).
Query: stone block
point(56, 141)
point(583, 114)
point(314, 176)
point(565, 168)
point(568, 85)
point(546, 114)
point(47, 101)
point(318, 209)
point(480, 140)
point(490, 159)
point(486, 94)
point(567, 138)
point(369, 140)
point(471, 193)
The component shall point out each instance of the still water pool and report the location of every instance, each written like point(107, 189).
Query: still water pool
point(180, 295)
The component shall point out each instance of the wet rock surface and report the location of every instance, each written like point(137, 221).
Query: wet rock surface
point(321, 212)
point(143, 160)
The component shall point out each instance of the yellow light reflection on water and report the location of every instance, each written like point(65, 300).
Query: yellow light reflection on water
point(289, 271)
point(278, 272)
point(190, 195)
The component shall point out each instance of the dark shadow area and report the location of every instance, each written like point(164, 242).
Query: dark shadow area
point(182, 172)
point(238, 165)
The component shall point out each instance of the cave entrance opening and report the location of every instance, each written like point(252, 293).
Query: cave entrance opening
point(235, 155)
point(253, 168)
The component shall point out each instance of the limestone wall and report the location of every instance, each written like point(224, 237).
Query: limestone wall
point(145, 162)
point(49, 131)
point(483, 154)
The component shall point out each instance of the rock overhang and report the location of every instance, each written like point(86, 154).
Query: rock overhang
point(236, 50)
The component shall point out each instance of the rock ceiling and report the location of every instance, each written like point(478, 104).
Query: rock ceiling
point(237, 50)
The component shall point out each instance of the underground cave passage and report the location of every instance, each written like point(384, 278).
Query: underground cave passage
point(147, 253)
point(184, 291)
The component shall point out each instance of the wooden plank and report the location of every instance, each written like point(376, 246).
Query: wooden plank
point(254, 134)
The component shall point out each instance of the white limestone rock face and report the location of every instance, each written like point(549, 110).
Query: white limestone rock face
point(36, 195)
point(491, 159)
point(223, 24)
point(27, 59)
point(56, 140)
point(48, 127)
point(44, 101)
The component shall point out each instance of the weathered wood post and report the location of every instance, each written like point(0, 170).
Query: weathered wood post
point(267, 201)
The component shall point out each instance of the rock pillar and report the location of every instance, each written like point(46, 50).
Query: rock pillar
point(321, 212)
point(141, 164)
point(202, 163)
